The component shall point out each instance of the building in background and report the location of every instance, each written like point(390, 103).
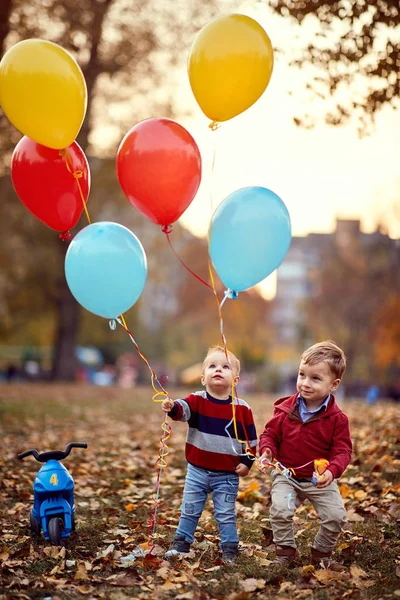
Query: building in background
point(298, 283)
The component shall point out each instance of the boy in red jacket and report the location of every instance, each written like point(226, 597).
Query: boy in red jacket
point(305, 427)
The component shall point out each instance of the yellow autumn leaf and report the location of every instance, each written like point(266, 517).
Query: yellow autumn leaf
point(130, 507)
point(81, 572)
point(345, 490)
point(168, 585)
point(360, 495)
point(251, 490)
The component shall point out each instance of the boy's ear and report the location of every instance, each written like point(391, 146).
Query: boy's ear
point(335, 385)
point(236, 379)
point(203, 381)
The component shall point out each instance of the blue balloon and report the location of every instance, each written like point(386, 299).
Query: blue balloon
point(106, 269)
point(250, 234)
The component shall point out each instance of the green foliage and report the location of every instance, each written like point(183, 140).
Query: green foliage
point(356, 43)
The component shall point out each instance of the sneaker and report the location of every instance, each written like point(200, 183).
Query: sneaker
point(285, 557)
point(179, 546)
point(229, 552)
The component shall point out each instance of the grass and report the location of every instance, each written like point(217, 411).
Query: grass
point(122, 429)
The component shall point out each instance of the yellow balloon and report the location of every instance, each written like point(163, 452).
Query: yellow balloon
point(43, 92)
point(230, 65)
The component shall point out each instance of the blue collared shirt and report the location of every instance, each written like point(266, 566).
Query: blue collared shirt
point(306, 414)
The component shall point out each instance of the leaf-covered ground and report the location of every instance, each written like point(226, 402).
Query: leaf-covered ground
point(114, 481)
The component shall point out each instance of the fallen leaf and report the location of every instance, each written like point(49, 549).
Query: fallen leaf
point(54, 552)
point(326, 575)
point(360, 495)
point(81, 572)
point(354, 517)
point(287, 588)
point(360, 577)
point(168, 585)
point(250, 585)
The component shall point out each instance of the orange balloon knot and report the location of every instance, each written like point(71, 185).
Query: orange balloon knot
point(65, 236)
point(214, 125)
point(77, 174)
point(166, 229)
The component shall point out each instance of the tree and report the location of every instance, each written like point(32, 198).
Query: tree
point(126, 50)
point(354, 300)
point(357, 48)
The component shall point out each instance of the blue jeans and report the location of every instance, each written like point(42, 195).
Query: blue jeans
point(223, 488)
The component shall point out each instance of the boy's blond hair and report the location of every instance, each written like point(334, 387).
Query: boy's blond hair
point(329, 353)
point(233, 360)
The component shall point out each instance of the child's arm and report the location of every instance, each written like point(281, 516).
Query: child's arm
point(167, 405)
point(267, 456)
point(180, 410)
point(242, 470)
point(271, 437)
point(325, 479)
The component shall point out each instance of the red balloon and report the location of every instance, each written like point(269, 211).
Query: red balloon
point(46, 181)
point(159, 169)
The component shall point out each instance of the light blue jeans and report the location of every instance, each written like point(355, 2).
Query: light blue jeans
point(223, 488)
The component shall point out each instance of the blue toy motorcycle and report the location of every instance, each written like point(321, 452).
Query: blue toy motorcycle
point(53, 503)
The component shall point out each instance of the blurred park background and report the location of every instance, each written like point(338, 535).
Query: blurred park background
point(325, 137)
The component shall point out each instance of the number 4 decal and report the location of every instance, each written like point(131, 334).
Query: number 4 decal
point(53, 479)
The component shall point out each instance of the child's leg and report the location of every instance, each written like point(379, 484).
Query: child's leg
point(224, 488)
point(330, 508)
point(284, 501)
point(194, 498)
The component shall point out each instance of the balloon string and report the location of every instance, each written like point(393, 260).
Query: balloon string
point(154, 379)
point(77, 175)
point(214, 126)
point(163, 449)
point(285, 471)
point(168, 228)
point(212, 170)
point(167, 232)
point(159, 465)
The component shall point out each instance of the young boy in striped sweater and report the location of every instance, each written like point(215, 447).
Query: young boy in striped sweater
point(216, 459)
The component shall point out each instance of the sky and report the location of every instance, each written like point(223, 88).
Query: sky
point(321, 174)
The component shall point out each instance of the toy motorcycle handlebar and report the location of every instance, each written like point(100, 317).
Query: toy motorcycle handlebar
point(52, 454)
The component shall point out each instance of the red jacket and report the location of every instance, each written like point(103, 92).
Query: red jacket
point(294, 443)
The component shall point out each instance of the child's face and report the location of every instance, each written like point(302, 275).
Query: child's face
point(315, 382)
point(217, 375)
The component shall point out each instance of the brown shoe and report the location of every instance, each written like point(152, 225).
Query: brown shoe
point(285, 557)
point(324, 560)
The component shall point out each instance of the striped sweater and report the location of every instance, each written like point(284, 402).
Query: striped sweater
point(211, 442)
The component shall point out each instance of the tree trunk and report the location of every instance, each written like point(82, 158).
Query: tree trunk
point(65, 363)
